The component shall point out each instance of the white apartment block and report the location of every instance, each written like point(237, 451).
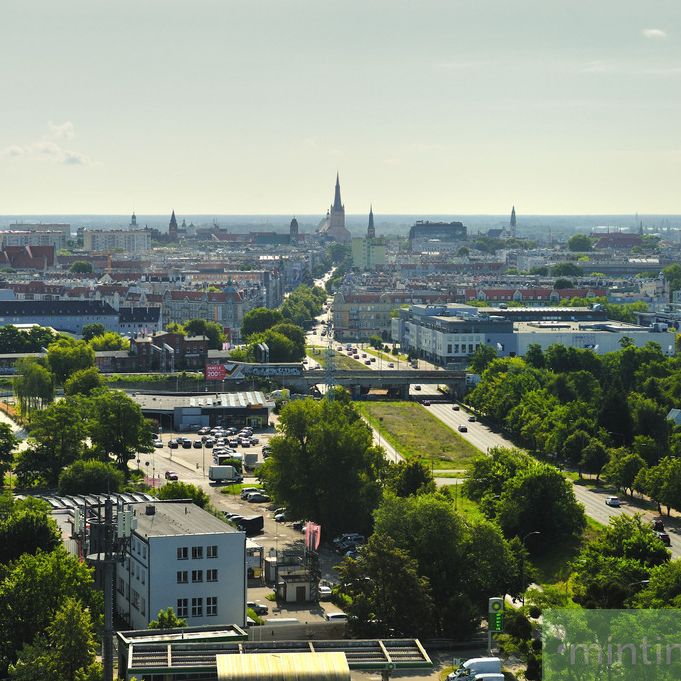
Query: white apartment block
point(183, 557)
point(125, 240)
point(33, 238)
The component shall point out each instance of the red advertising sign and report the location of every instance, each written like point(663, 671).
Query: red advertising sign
point(215, 372)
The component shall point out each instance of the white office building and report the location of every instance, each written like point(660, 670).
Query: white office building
point(183, 557)
point(124, 240)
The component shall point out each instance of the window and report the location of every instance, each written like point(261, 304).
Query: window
point(183, 552)
point(212, 552)
point(182, 576)
point(197, 575)
point(121, 585)
point(197, 607)
point(182, 607)
point(211, 606)
point(197, 552)
point(143, 607)
point(212, 575)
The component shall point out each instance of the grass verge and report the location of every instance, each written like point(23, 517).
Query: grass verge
point(403, 425)
point(341, 361)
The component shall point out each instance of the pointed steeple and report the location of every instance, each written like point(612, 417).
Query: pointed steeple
point(513, 220)
point(371, 230)
point(172, 228)
point(337, 197)
point(133, 220)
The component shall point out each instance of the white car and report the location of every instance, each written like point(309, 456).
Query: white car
point(613, 501)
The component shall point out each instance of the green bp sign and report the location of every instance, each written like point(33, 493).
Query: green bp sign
point(496, 615)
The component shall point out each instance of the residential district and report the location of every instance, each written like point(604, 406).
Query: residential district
point(299, 453)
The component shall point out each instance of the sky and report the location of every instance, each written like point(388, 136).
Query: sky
point(430, 106)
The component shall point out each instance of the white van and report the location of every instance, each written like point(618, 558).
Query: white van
point(335, 617)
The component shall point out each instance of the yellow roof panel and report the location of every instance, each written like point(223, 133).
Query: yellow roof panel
point(283, 667)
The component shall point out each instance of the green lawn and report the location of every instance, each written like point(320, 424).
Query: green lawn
point(387, 357)
point(341, 360)
point(417, 434)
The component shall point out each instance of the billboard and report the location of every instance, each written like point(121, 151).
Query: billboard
point(241, 370)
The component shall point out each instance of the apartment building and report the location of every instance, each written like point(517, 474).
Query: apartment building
point(182, 557)
point(125, 240)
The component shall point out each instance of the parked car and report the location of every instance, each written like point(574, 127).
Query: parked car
point(257, 498)
point(325, 592)
point(171, 475)
point(186, 444)
point(613, 501)
point(257, 607)
point(247, 490)
point(255, 440)
point(197, 444)
point(210, 443)
point(158, 443)
point(298, 525)
point(462, 429)
point(353, 537)
point(204, 431)
point(173, 444)
point(280, 517)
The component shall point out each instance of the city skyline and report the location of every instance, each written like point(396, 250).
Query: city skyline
point(441, 108)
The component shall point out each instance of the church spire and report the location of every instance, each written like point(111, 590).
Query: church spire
point(513, 222)
point(172, 228)
point(337, 197)
point(371, 230)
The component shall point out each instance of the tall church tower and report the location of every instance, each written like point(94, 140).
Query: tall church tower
point(172, 228)
point(293, 231)
point(513, 223)
point(133, 221)
point(371, 230)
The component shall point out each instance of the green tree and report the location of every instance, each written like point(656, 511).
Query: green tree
point(110, 340)
point(167, 619)
point(259, 319)
point(90, 477)
point(663, 589)
point(281, 348)
point(562, 283)
point(580, 243)
point(184, 490)
point(81, 267)
point(212, 330)
point(89, 331)
point(294, 333)
point(376, 584)
point(33, 386)
point(28, 528)
point(672, 275)
point(118, 428)
point(566, 269)
point(84, 382)
point(66, 356)
point(594, 457)
point(534, 356)
point(376, 341)
point(410, 477)
point(323, 464)
point(14, 340)
point(7, 444)
point(32, 589)
point(623, 468)
point(481, 358)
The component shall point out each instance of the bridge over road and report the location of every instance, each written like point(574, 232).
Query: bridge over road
point(296, 377)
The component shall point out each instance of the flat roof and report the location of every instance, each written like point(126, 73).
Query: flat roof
point(568, 326)
point(177, 518)
point(209, 400)
point(315, 666)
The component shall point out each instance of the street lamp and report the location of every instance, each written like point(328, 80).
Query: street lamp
point(522, 569)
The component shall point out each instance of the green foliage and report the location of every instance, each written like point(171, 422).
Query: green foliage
point(386, 595)
point(28, 527)
point(81, 267)
point(563, 283)
point(33, 386)
point(580, 243)
point(463, 560)
point(672, 275)
point(110, 340)
point(118, 428)
point(212, 330)
point(184, 490)
point(7, 444)
point(303, 305)
point(281, 348)
point(90, 477)
point(12, 340)
point(89, 331)
point(663, 589)
point(259, 319)
point(481, 358)
point(167, 619)
point(323, 464)
point(294, 333)
point(84, 382)
point(32, 591)
point(410, 477)
point(567, 269)
point(622, 469)
point(66, 356)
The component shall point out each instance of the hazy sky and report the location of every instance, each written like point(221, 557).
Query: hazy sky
point(424, 106)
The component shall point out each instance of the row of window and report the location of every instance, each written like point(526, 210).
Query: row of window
point(472, 347)
point(197, 576)
point(197, 552)
point(197, 607)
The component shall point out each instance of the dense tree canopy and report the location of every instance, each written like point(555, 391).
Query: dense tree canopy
point(324, 466)
point(580, 243)
point(184, 490)
point(90, 477)
point(33, 386)
point(66, 356)
point(259, 319)
point(211, 330)
point(27, 526)
point(84, 382)
point(35, 339)
point(109, 340)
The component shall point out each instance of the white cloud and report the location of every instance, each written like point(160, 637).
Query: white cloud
point(654, 33)
point(61, 130)
point(48, 147)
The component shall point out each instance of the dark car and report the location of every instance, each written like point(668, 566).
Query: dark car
point(171, 475)
point(658, 525)
point(186, 444)
point(426, 403)
point(664, 538)
point(463, 429)
point(472, 418)
point(197, 444)
point(173, 444)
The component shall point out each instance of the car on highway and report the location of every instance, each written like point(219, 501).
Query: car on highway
point(455, 407)
point(171, 475)
point(462, 429)
point(657, 525)
point(664, 538)
point(367, 362)
point(426, 403)
point(364, 355)
point(417, 387)
point(472, 418)
point(373, 359)
point(391, 365)
point(613, 501)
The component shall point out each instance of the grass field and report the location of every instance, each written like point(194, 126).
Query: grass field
point(417, 434)
point(341, 361)
point(386, 356)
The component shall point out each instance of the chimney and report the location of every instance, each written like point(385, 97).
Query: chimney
point(150, 509)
